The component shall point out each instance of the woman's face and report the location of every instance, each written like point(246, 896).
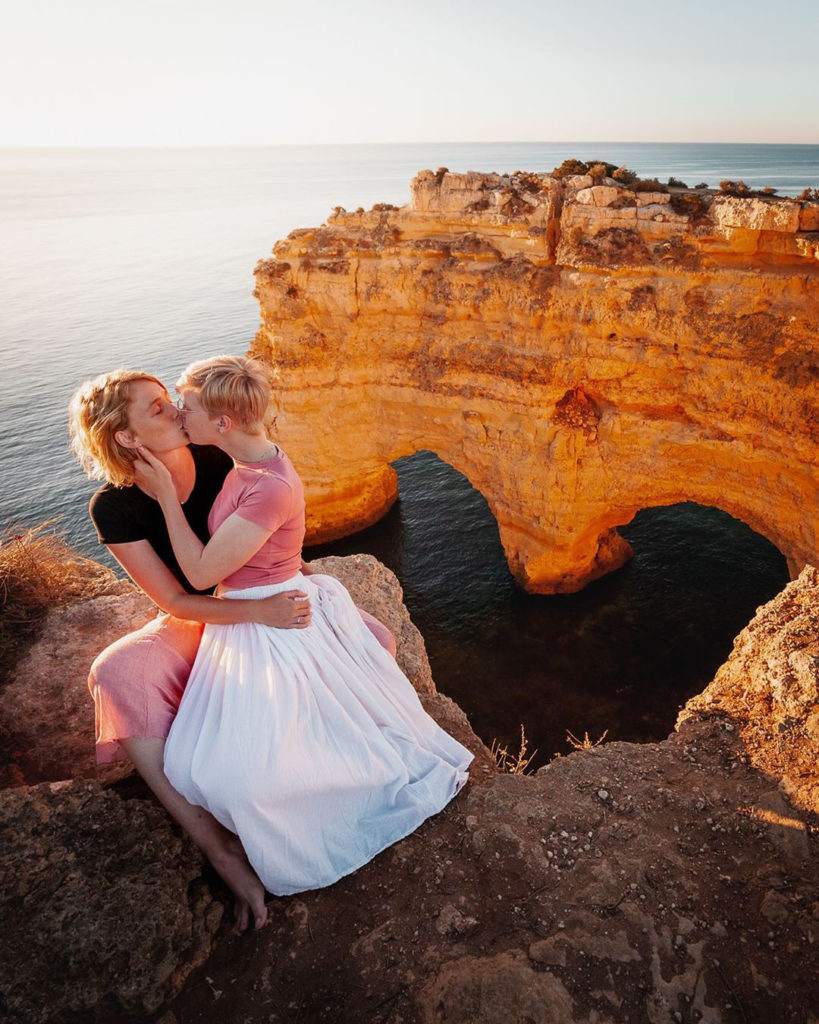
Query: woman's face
point(153, 419)
point(197, 424)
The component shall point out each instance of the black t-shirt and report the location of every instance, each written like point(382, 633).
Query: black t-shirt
point(125, 514)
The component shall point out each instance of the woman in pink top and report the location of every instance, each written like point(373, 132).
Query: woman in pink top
point(311, 745)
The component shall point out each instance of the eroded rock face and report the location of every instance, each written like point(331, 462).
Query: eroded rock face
point(769, 691)
point(578, 351)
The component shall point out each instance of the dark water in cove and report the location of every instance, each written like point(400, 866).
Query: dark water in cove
point(144, 258)
point(621, 655)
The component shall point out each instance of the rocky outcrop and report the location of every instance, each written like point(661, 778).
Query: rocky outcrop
point(769, 690)
point(660, 882)
point(47, 716)
point(106, 907)
point(578, 350)
point(103, 906)
point(375, 589)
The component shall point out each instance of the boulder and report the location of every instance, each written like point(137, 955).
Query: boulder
point(47, 711)
point(375, 589)
point(102, 907)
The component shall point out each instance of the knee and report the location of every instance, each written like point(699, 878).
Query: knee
point(384, 637)
point(124, 665)
point(110, 670)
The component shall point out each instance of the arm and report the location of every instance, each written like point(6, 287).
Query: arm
point(204, 565)
point(152, 576)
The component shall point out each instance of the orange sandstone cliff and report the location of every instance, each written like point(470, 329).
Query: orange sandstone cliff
point(577, 350)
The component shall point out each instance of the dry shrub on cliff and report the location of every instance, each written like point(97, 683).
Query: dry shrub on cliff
point(585, 743)
point(676, 183)
point(624, 175)
point(649, 185)
point(515, 764)
point(689, 203)
point(808, 195)
point(569, 168)
point(598, 169)
point(739, 188)
point(734, 188)
point(39, 570)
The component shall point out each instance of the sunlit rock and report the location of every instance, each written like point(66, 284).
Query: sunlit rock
point(460, 323)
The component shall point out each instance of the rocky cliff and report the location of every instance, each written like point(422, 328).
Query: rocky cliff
point(578, 350)
point(663, 882)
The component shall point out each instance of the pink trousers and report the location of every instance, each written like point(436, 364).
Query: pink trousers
point(138, 681)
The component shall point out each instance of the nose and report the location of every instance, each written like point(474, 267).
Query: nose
point(172, 411)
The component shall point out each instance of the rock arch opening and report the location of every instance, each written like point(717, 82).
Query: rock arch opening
point(620, 655)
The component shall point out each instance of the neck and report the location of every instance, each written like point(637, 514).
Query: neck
point(248, 447)
point(179, 462)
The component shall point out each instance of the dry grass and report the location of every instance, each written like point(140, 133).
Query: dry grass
point(515, 764)
point(585, 743)
point(38, 571)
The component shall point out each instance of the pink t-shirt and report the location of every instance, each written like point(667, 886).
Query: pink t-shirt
point(269, 494)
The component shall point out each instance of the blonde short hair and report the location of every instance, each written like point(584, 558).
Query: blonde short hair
point(98, 409)
point(234, 386)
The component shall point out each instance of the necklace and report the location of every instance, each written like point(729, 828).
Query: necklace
point(269, 457)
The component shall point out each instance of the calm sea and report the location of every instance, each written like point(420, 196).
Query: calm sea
point(145, 258)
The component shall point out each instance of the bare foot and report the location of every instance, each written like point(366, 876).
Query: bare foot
point(232, 864)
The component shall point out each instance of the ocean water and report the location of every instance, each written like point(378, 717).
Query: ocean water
point(144, 258)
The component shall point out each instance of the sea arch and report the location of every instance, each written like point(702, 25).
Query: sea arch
point(558, 486)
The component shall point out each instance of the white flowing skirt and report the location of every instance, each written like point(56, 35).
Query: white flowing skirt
point(310, 744)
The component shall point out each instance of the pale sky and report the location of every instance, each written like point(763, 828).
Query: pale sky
point(262, 72)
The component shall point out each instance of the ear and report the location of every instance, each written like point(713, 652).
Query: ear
point(224, 423)
point(125, 439)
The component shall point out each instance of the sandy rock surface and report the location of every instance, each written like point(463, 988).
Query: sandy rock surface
point(627, 883)
point(630, 882)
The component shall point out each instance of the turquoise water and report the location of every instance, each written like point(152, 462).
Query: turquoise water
point(145, 258)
